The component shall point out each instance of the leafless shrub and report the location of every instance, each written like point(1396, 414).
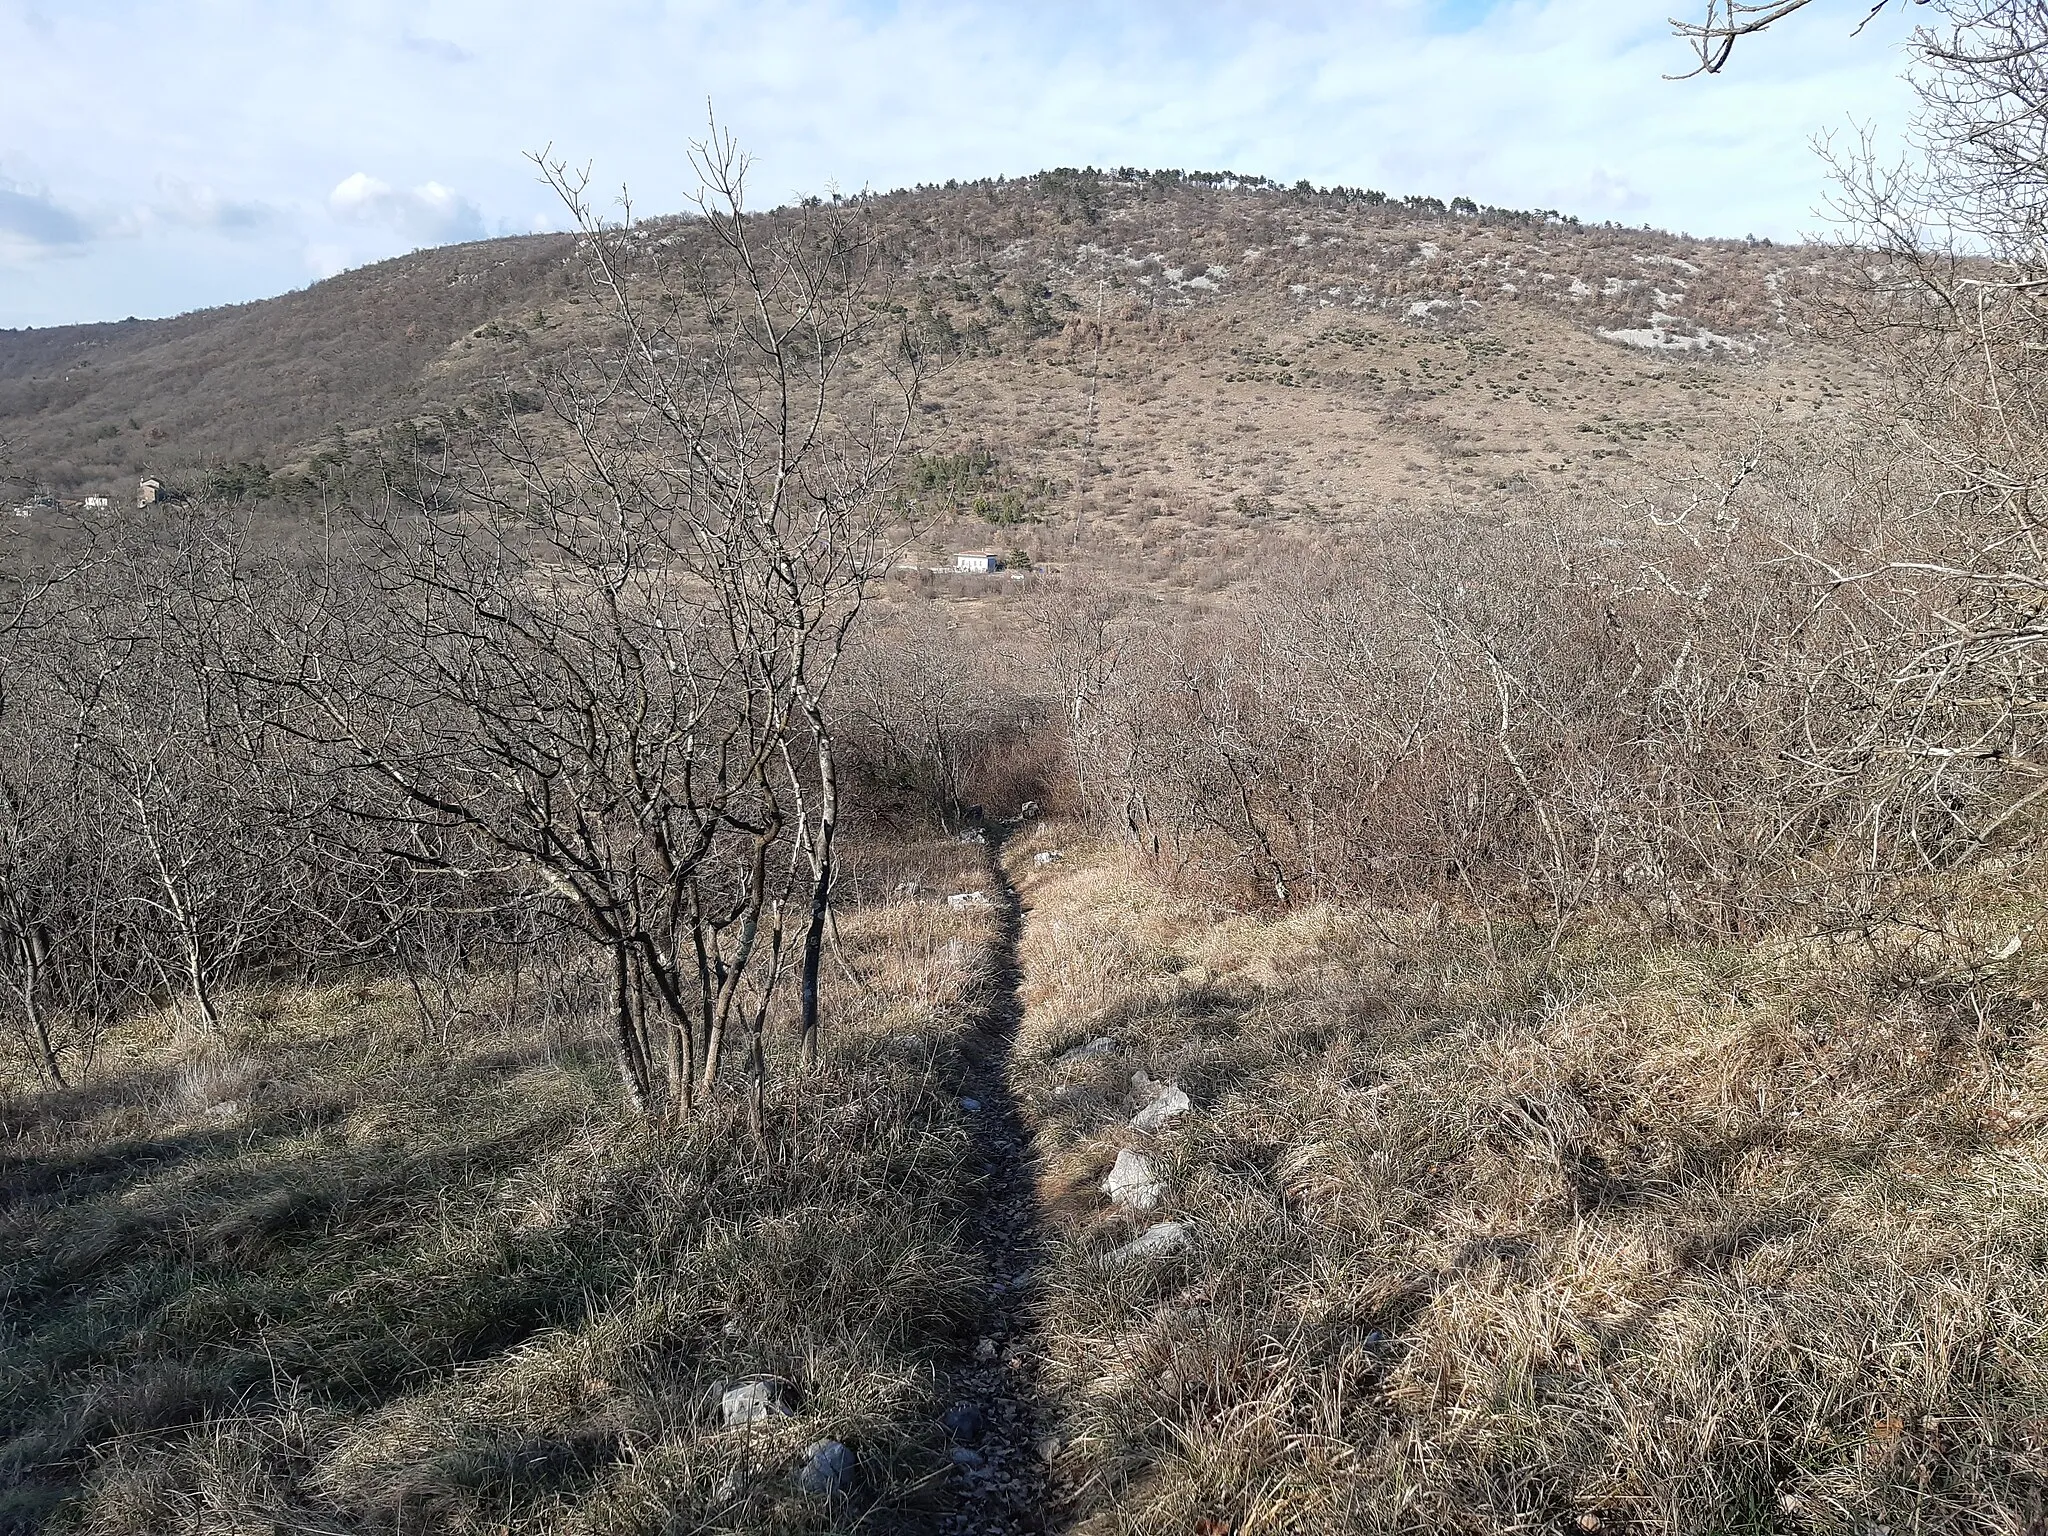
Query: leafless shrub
point(567, 665)
point(595, 643)
point(1647, 703)
point(942, 716)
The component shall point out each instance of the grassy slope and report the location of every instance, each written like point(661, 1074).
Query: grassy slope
point(1673, 1237)
point(1661, 1237)
point(320, 1276)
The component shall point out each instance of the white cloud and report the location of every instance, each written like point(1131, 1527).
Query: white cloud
point(1601, 194)
point(439, 49)
point(324, 259)
point(182, 204)
point(1525, 103)
point(429, 214)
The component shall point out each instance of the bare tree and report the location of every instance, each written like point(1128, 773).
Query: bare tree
point(1727, 22)
point(599, 639)
point(58, 934)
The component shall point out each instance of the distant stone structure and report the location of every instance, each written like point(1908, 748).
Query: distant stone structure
point(149, 492)
point(981, 562)
point(96, 503)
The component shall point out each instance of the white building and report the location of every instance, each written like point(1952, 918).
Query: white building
point(982, 562)
point(96, 503)
point(151, 490)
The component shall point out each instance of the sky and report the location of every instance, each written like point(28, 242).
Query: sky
point(158, 156)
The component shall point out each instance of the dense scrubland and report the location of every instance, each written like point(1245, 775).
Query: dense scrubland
point(535, 936)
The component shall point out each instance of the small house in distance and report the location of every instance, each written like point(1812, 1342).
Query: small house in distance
point(149, 492)
point(981, 562)
point(96, 503)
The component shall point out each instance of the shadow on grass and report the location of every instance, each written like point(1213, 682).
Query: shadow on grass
point(392, 1289)
point(994, 1378)
point(150, 1284)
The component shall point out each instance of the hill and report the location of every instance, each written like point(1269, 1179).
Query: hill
point(1462, 976)
point(1156, 364)
point(89, 407)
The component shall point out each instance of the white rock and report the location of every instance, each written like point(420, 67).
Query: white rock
point(1050, 856)
point(752, 1401)
point(1161, 1237)
point(961, 900)
point(827, 1471)
point(1133, 1182)
point(1169, 1103)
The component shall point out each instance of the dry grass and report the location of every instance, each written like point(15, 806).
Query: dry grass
point(1664, 1238)
point(320, 1276)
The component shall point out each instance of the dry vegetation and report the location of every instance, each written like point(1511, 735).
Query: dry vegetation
point(332, 1268)
point(1632, 1235)
point(1545, 727)
point(1163, 374)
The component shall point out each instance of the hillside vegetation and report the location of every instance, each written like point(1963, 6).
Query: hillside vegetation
point(1148, 366)
point(339, 1264)
point(1488, 1236)
point(1462, 951)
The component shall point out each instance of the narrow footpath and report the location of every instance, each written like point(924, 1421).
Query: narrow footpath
point(999, 1482)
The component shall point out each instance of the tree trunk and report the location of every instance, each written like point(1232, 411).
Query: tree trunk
point(632, 1064)
point(821, 892)
point(195, 970)
point(757, 1059)
point(750, 930)
point(679, 1042)
point(32, 954)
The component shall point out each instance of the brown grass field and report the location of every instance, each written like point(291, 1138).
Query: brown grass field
point(327, 1275)
point(1658, 1237)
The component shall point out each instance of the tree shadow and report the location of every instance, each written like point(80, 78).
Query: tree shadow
point(997, 1412)
point(151, 1284)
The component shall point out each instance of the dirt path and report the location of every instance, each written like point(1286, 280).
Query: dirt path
point(999, 1481)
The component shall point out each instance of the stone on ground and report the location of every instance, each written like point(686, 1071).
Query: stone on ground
point(1161, 1237)
point(1101, 1045)
point(1169, 1102)
point(1133, 1182)
point(827, 1471)
point(752, 1401)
